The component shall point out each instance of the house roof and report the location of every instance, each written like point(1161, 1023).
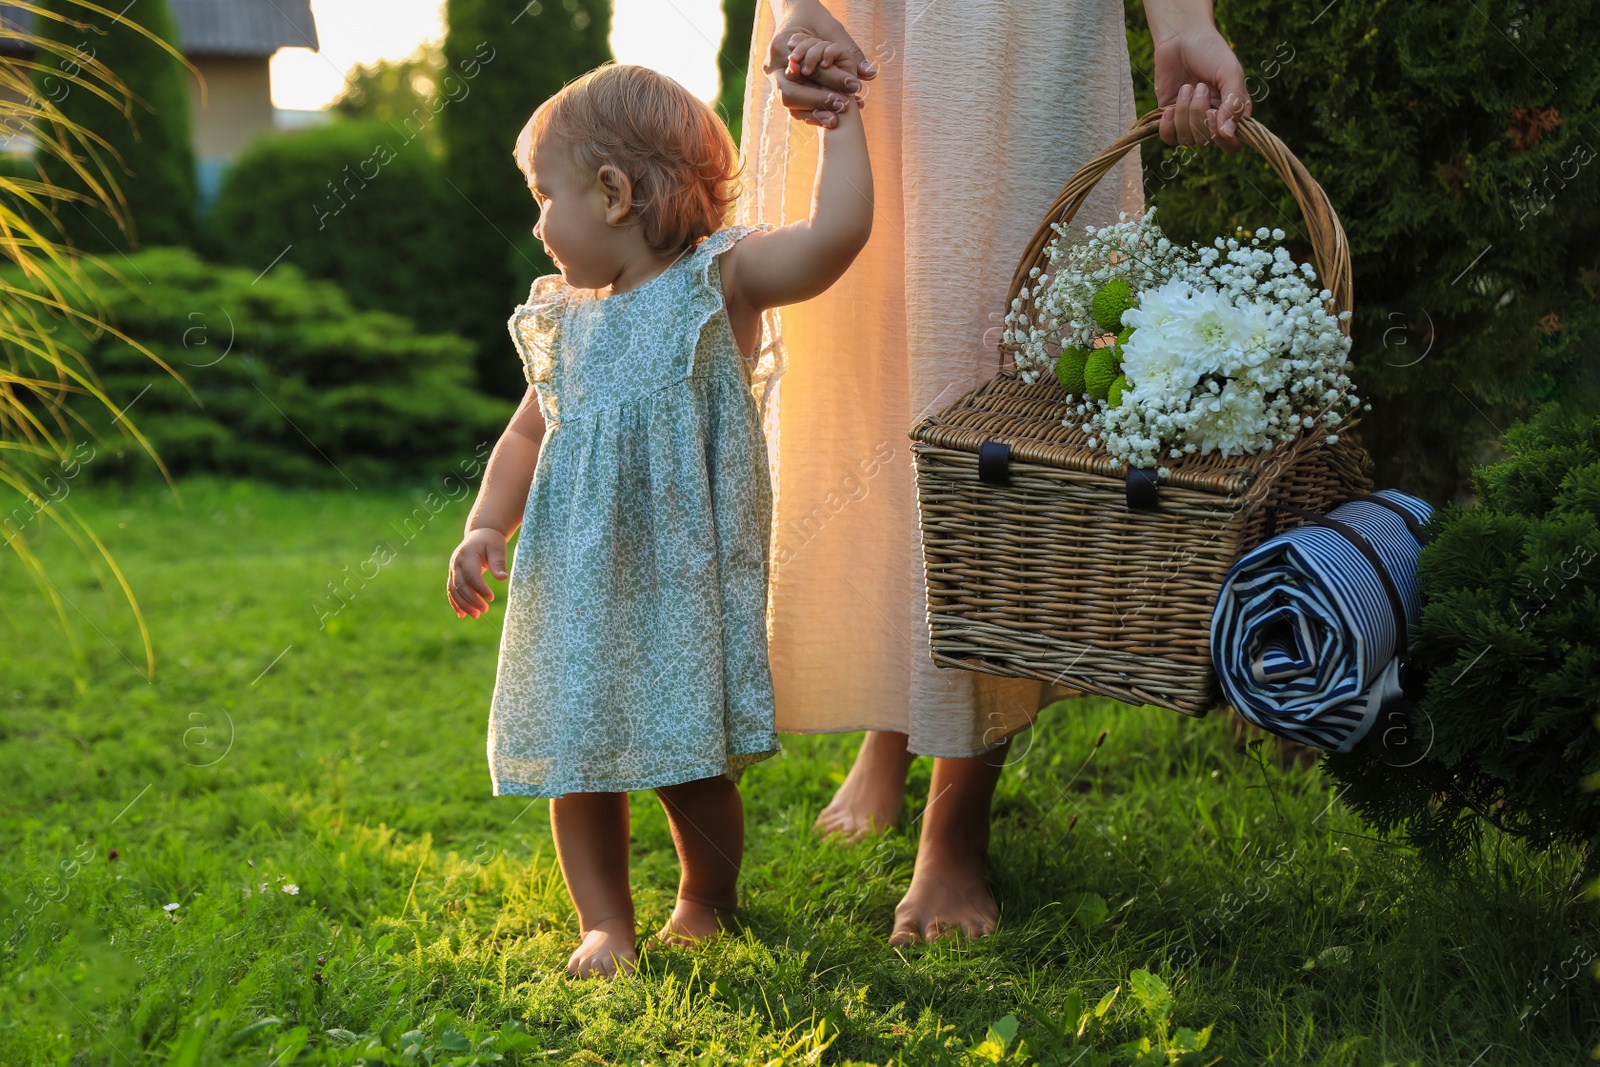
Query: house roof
point(218, 27)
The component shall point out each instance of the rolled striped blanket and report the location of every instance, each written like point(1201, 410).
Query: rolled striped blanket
point(1304, 636)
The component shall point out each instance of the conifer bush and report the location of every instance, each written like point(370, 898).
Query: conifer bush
point(146, 150)
point(522, 53)
point(362, 204)
point(277, 377)
point(1509, 648)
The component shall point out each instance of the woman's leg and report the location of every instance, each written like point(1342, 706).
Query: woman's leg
point(948, 890)
point(873, 793)
point(591, 832)
point(707, 820)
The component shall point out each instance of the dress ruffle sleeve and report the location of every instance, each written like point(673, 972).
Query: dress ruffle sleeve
point(706, 268)
point(535, 326)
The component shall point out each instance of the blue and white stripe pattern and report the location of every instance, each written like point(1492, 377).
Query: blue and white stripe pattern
point(1303, 636)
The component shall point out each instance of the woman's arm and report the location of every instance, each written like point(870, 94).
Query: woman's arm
point(800, 260)
point(1198, 78)
point(497, 512)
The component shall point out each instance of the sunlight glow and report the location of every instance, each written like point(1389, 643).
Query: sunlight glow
point(677, 37)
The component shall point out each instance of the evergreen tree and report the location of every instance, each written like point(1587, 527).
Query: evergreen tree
point(513, 56)
point(151, 157)
point(1459, 148)
point(397, 90)
point(739, 17)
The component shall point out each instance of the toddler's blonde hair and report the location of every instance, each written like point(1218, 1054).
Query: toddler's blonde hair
point(673, 148)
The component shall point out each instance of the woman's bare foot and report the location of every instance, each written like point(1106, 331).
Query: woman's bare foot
point(873, 794)
point(692, 924)
point(606, 951)
point(946, 896)
point(948, 892)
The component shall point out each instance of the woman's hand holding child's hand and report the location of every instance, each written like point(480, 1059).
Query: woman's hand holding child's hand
point(480, 550)
point(805, 93)
point(810, 56)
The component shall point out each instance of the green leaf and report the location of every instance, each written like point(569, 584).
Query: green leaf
point(1090, 911)
point(1003, 1030)
point(1154, 996)
point(452, 1040)
point(1104, 1006)
point(1334, 956)
point(1071, 1011)
point(254, 1028)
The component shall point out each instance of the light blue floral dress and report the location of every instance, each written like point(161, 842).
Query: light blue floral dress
point(634, 653)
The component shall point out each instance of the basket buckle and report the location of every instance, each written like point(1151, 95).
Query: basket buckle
point(994, 463)
point(1141, 487)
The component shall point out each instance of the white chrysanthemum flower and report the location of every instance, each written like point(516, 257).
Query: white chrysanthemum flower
point(1231, 347)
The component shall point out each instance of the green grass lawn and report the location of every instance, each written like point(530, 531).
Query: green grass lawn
point(1163, 887)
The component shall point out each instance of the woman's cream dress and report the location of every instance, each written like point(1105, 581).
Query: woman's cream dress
point(981, 111)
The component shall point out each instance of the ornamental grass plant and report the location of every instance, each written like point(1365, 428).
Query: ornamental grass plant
point(75, 110)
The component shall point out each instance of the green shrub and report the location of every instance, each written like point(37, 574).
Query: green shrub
point(1458, 145)
point(521, 54)
point(281, 378)
point(151, 157)
point(1510, 648)
point(361, 204)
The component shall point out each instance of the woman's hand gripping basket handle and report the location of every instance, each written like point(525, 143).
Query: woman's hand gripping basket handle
point(1328, 245)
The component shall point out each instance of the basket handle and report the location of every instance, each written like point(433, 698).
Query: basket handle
point(1328, 245)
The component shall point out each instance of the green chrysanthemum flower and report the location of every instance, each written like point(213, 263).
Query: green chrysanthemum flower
point(1114, 297)
point(1069, 369)
point(1114, 394)
point(1099, 372)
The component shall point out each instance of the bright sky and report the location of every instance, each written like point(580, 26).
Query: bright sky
point(677, 37)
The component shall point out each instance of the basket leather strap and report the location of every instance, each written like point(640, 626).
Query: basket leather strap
point(1405, 516)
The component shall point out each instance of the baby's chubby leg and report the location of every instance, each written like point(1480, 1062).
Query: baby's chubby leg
point(591, 832)
point(707, 819)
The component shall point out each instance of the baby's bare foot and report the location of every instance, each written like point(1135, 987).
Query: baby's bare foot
point(692, 924)
point(946, 896)
point(873, 793)
point(606, 951)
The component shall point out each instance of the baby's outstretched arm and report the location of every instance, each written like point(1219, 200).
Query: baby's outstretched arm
point(801, 260)
point(497, 512)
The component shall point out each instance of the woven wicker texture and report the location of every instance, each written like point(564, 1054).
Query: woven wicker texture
point(1052, 576)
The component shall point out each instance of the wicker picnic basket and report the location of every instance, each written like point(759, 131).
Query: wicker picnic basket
point(1046, 561)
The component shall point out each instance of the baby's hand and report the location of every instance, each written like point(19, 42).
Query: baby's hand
point(480, 550)
point(809, 54)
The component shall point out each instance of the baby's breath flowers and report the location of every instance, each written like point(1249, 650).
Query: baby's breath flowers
point(1225, 348)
